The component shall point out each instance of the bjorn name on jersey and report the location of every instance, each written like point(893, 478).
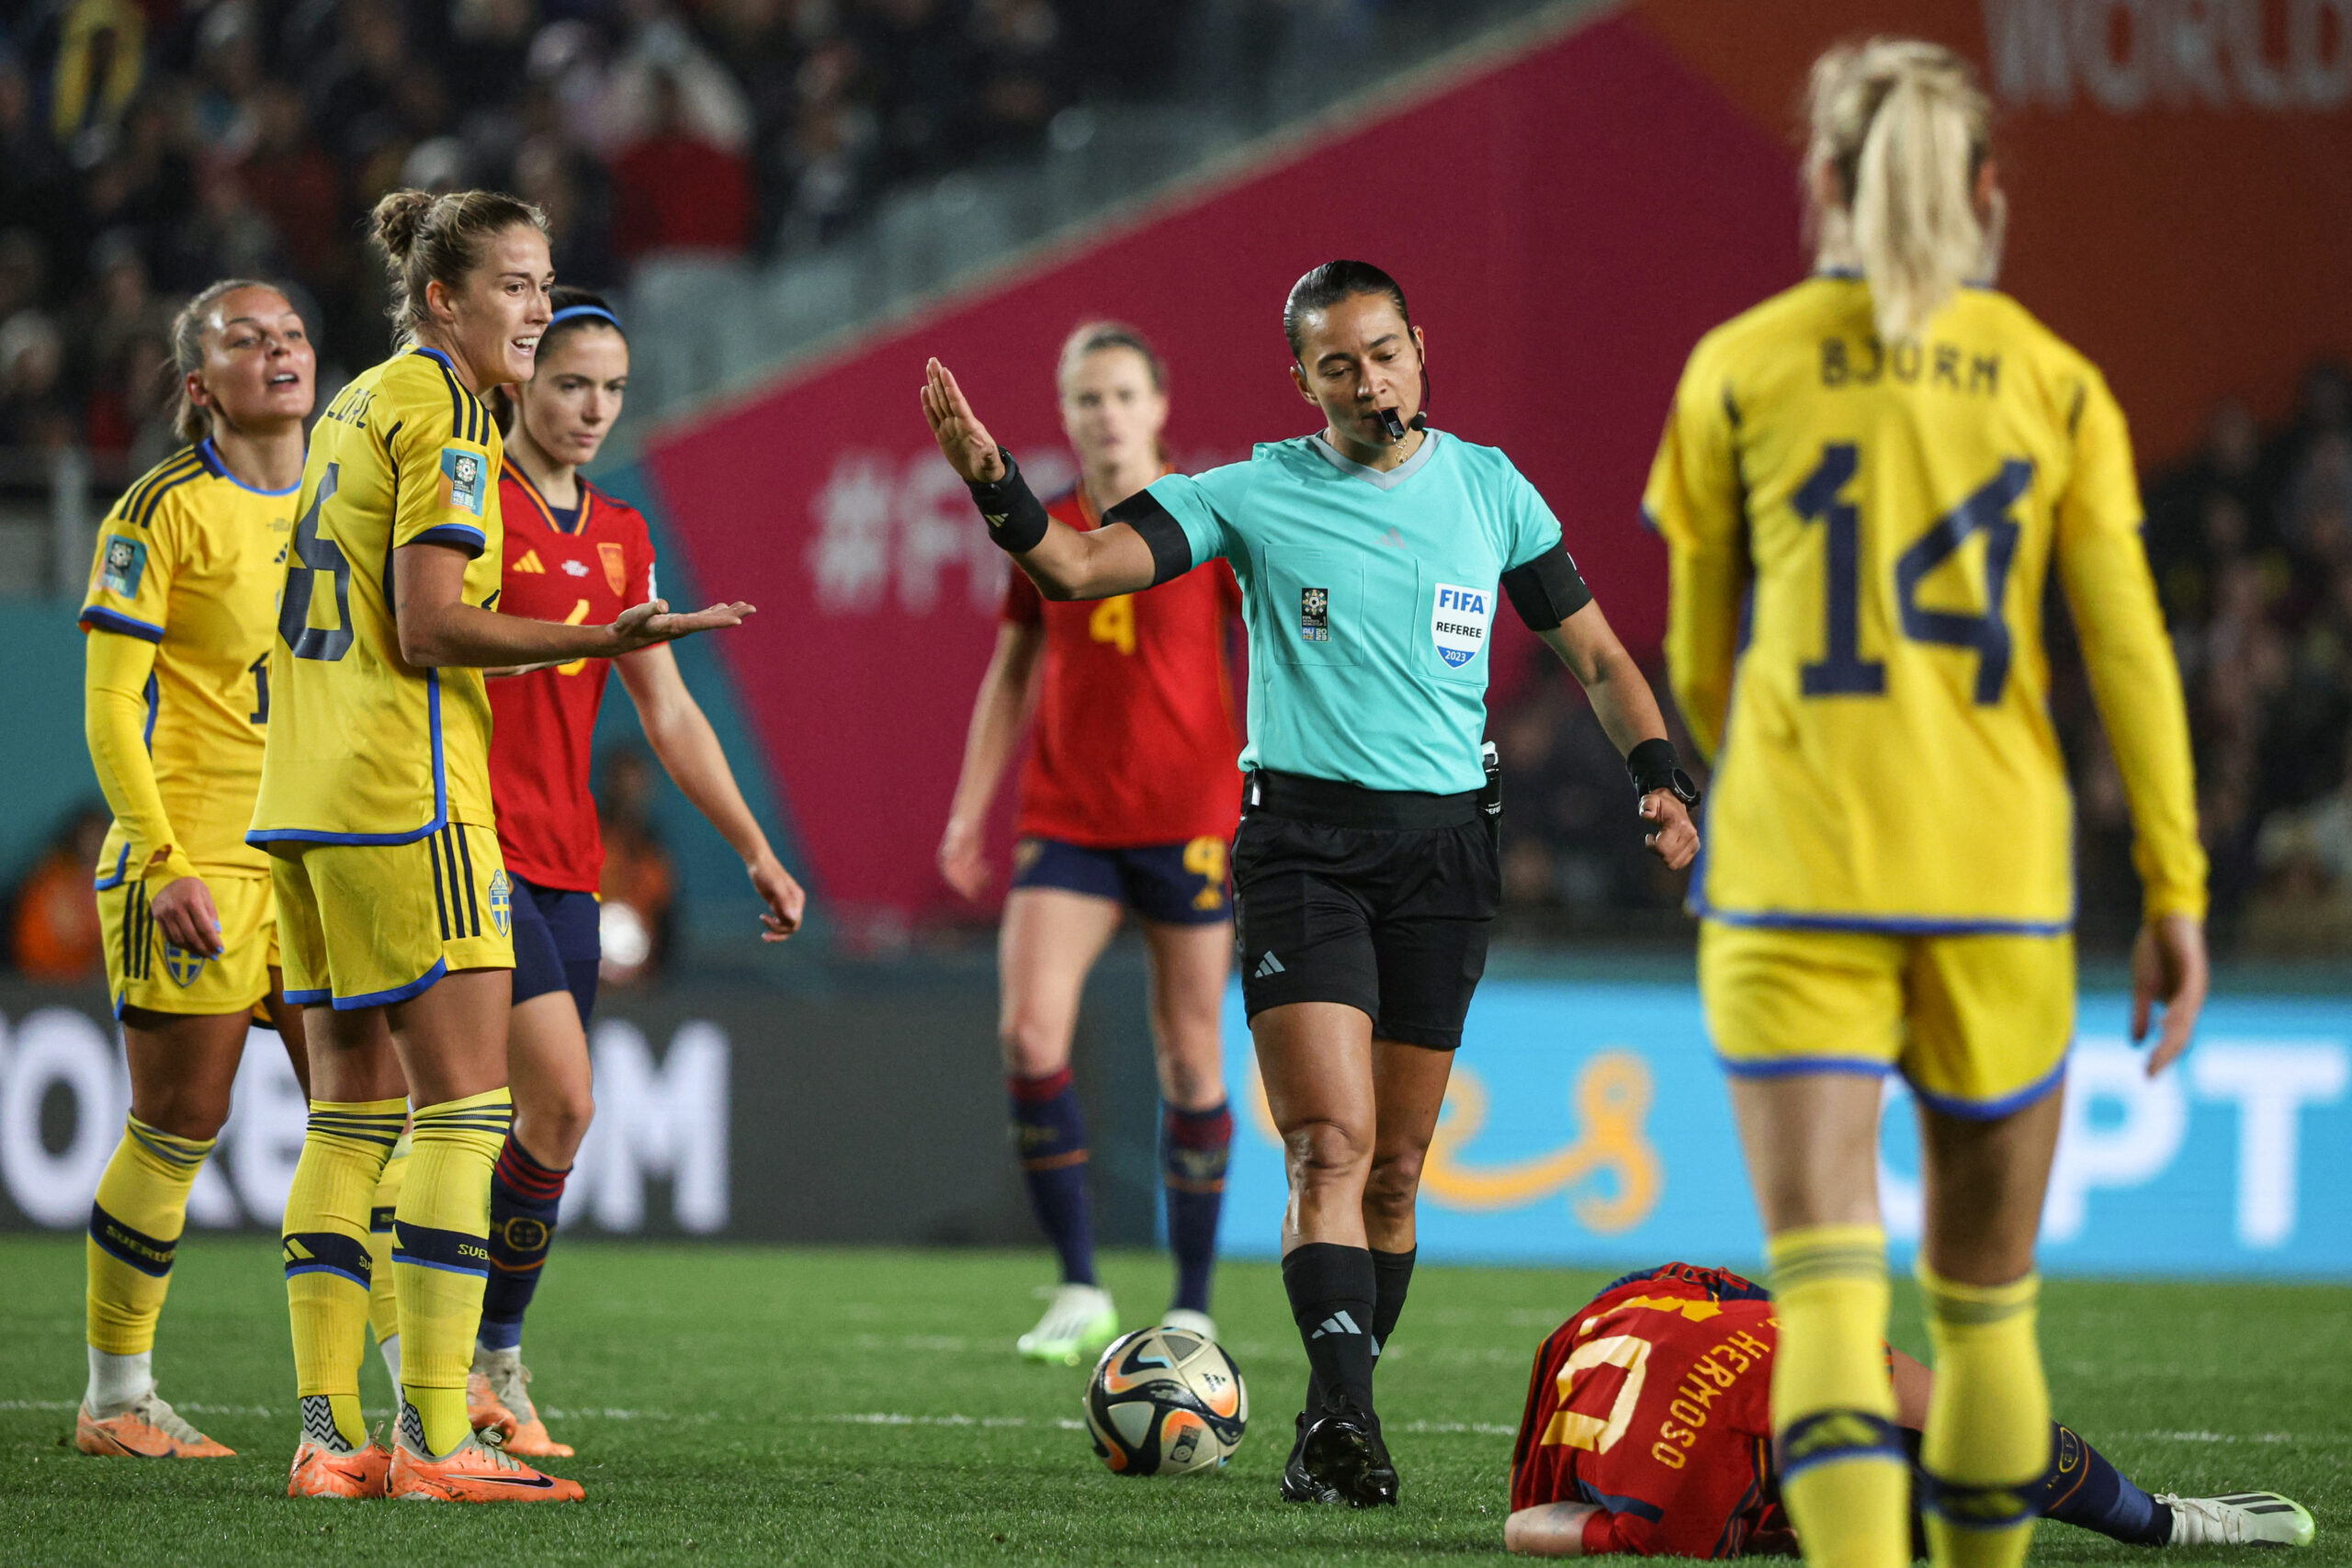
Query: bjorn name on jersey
point(1458, 622)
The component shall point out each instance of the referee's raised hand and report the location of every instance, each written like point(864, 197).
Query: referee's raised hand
point(963, 440)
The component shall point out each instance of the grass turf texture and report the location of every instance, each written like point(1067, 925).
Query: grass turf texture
point(766, 1405)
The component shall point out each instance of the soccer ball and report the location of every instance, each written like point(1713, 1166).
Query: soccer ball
point(1163, 1402)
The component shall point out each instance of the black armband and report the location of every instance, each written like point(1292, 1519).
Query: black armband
point(1656, 767)
point(1547, 590)
point(1171, 552)
point(1016, 518)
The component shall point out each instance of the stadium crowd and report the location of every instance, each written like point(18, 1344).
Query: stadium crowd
point(148, 147)
point(2250, 539)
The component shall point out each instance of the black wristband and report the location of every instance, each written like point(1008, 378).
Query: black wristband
point(1017, 519)
point(1655, 766)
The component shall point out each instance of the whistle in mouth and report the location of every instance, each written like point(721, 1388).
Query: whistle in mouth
point(1392, 424)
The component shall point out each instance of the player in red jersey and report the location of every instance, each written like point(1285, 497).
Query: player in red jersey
point(572, 553)
point(1648, 1431)
point(1129, 800)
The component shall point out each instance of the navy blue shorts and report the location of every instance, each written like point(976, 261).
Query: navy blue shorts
point(1177, 885)
point(557, 944)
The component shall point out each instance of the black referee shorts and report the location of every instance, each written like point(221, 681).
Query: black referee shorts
point(1380, 900)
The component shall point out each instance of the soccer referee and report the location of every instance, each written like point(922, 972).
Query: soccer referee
point(1370, 557)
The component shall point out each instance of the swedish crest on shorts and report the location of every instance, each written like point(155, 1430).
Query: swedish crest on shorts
point(501, 903)
point(1315, 613)
point(182, 965)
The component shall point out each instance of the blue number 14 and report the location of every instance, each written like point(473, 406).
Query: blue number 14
point(1842, 670)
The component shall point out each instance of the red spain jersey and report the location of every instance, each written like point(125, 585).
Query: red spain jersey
point(1654, 1404)
point(1135, 741)
point(543, 724)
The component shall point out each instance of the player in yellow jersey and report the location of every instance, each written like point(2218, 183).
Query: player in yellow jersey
point(182, 601)
point(394, 911)
point(1885, 464)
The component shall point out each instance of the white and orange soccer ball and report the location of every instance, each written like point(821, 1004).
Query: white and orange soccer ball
point(1165, 1402)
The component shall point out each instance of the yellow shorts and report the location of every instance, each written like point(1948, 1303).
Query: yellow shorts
point(367, 925)
point(1979, 1025)
point(145, 971)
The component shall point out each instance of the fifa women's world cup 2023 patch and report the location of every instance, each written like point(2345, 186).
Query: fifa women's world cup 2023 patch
point(462, 477)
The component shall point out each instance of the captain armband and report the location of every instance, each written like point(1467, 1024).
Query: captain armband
point(1171, 550)
point(1547, 590)
point(1016, 518)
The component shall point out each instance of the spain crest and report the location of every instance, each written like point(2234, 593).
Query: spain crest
point(616, 562)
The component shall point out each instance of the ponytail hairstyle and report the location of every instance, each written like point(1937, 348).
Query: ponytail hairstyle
point(430, 239)
point(191, 421)
point(570, 311)
point(1899, 130)
point(1325, 287)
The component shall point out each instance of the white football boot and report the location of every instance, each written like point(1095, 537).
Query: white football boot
point(1079, 1321)
point(2240, 1518)
point(1186, 1320)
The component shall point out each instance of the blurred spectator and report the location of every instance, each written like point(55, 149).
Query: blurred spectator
point(637, 880)
point(676, 190)
point(55, 917)
point(33, 410)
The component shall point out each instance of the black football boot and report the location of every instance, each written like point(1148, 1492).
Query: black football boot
point(1299, 1483)
point(1344, 1450)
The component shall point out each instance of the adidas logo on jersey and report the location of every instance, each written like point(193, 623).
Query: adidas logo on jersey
point(530, 562)
point(1338, 1322)
point(1267, 965)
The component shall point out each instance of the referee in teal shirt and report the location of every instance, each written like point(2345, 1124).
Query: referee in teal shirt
point(1372, 555)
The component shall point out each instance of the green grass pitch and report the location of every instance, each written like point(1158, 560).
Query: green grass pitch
point(740, 1405)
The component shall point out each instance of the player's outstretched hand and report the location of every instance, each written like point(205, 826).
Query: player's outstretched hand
point(2168, 966)
point(185, 913)
point(641, 626)
point(963, 440)
point(1676, 840)
point(961, 863)
point(784, 897)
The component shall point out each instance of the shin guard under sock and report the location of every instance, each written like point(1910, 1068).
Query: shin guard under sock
point(524, 1197)
point(1049, 1130)
point(1986, 1448)
point(383, 1304)
point(1332, 1299)
point(327, 1265)
point(441, 1254)
point(135, 1225)
point(1194, 1146)
point(1844, 1474)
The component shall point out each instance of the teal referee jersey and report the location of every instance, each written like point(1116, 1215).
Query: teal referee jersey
point(1369, 600)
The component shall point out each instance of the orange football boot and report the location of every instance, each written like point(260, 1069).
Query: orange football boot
point(322, 1472)
point(485, 1412)
point(499, 1386)
point(473, 1471)
point(149, 1430)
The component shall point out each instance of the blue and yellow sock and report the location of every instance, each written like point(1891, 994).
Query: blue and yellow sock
point(327, 1265)
point(135, 1225)
point(1194, 1148)
point(441, 1257)
point(1049, 1130)
point(1986, 1448)
point(1844, 1474)
point(524, 1198)
point(383, 1300)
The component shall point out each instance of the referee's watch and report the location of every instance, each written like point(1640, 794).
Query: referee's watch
point(1655, 766)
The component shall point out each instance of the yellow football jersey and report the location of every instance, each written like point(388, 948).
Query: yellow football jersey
point(365, 749)
point(1883, 522)
point(189, 559)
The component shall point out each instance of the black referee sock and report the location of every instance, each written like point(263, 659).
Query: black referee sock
point(1392, 1276)
point(1332, 1299)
